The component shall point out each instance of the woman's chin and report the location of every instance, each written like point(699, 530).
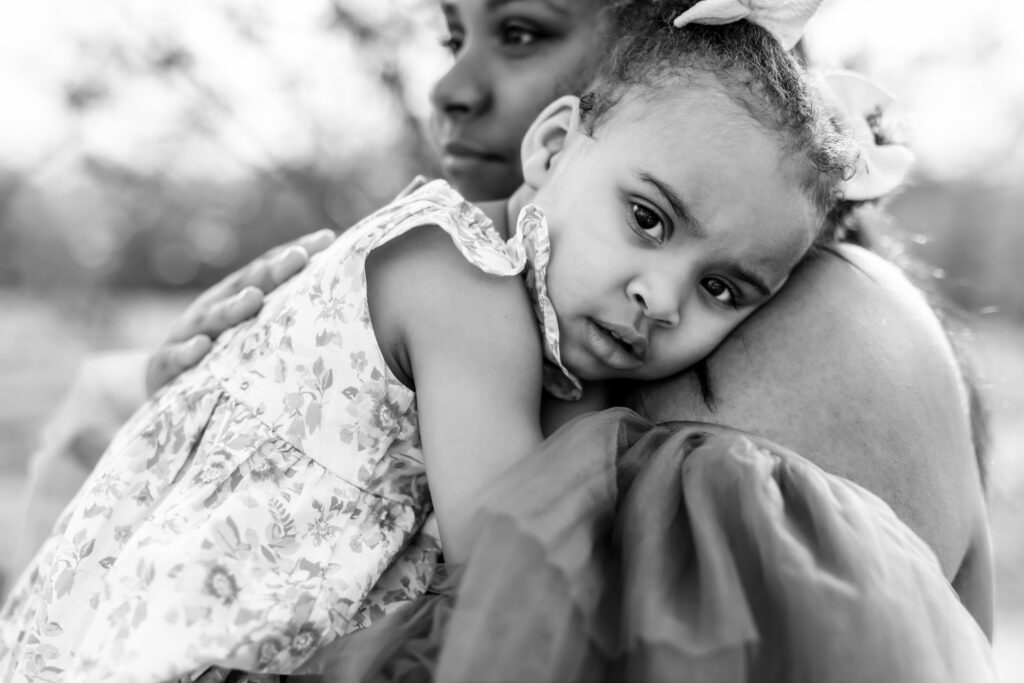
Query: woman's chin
point(482, 180)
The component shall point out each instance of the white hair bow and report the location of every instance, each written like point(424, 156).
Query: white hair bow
point(857, 102)
point(784, 19)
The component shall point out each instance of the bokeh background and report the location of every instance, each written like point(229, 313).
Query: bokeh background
point(147, 148)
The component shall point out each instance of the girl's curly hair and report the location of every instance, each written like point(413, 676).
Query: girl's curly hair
point(748, 64)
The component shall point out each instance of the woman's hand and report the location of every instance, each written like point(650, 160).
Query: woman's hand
point(237, 297)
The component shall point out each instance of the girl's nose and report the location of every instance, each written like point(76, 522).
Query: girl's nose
point(657, 301)
point(463, 91)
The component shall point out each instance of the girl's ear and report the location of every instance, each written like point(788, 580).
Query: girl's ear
point(546, 138)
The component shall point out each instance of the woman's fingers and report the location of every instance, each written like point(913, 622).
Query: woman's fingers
point(315, 242)
point(285, 261)
point(214, 317)
point(172, 359)
point(239, 295)
point(234, 299)
point(204, 324)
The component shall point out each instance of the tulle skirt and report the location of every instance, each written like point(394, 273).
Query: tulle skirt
point(625, 551)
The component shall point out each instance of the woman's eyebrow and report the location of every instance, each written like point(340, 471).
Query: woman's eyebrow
point(690, 223)
point(492, 5)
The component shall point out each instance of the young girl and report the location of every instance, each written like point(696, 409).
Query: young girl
point(225, 525)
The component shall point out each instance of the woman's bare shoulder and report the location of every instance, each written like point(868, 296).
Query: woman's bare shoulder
point(850, 367)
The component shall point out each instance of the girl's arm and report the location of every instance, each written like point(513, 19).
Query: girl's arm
point(468, 343)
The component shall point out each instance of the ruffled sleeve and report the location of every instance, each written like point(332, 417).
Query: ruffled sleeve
point(527, 252)
point(532, 236)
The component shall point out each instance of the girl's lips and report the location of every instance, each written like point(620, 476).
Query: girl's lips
point(612, 351)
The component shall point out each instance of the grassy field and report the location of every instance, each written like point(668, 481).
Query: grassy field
point(42, 339)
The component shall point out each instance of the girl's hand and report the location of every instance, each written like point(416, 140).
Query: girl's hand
point(237, 297)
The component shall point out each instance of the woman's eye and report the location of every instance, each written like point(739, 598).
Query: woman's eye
point(518, 36)
point(452, 43)
point(649, 222)
point(719, 291)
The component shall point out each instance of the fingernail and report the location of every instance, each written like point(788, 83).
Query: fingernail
point(288, 251)
point(247, 293)
point(292, 252)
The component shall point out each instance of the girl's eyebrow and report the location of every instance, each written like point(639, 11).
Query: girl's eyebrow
point(751, 278)
point(690, 223)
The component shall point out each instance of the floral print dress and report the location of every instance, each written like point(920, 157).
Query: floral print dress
point(266, 501)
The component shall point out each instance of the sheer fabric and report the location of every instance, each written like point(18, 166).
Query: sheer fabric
point(628, 551)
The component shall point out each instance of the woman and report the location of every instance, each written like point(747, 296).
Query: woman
point(850, 367)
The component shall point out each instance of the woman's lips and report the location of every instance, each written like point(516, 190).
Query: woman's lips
point(459, 155)
point(461, 150)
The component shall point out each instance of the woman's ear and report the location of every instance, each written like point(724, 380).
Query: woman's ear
point(546, 137)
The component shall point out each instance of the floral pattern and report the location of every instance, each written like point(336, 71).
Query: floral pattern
point(264, 503)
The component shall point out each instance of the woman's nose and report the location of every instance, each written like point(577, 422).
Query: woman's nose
point(463, 91)
point(658, 301)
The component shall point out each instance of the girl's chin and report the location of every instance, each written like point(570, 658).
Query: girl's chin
point(589, 370)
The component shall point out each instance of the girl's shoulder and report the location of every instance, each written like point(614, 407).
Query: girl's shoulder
point(423, 291)
point(469, 229)
point(455, 271)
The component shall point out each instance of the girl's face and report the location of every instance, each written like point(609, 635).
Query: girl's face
point(512, 57)
point(669, 226)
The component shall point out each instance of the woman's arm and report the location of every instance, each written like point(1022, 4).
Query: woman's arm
point(850, 367)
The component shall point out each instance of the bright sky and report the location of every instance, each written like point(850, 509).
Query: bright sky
point(290, 91)
point(955, 69)
point(953, 65)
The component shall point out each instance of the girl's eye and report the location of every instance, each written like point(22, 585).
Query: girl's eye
point(719, 291)
point(648, 223)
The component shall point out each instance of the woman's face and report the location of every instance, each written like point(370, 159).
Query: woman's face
point(512, 58)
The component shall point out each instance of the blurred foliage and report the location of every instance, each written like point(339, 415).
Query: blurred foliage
point(79, 214)
point(82, 215)
point(968, 241)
